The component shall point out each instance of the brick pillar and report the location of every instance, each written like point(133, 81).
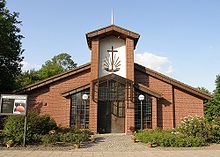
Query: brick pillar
point(129, 118)
point(154, 112)
point(93, 112)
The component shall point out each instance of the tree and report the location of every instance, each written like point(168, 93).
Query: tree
point(26, 78)
point(58, 64)
point(49, 69)
point(217, 90)
point(64, 60)
point(212, 107)
point(203, 89)
point(10, 48)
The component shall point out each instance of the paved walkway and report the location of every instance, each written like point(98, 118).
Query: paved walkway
point(113, 142)
point(113, 146)
point(147, 153)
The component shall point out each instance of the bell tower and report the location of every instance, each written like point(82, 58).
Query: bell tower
point(112, 52)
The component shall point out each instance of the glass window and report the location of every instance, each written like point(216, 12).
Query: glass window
point(111, 90)
point(118, 108)
point(147, 111)
point(79, 116)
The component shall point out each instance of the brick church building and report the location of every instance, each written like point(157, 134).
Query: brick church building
point(103, 95)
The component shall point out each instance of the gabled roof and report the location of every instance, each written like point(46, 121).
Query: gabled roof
point(138, 67)
point(117, 31)
point(174, 82)
point(53, 78)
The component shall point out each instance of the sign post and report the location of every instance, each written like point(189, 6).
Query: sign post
point(15, 105)
point(25, 130)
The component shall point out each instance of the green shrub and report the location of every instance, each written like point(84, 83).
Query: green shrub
point(41, 124)
point(13, 129)
point(36, 126)
point(74, 134)
point(195, 127)
point(50, 138)
point(73, 138)
point(1, 138)
point(214, 132)
point(67, 135)
point(2, 119)
point(87, 132)
point(69, 130)
point(169, 138)
point(158, 137)
point(192, 132)
point(190, 141)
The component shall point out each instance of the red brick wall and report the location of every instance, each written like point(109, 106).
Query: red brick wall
point(129, 118)
point(141, 78)
point(48, 99)
point(186, 104)
point(154, 112)
point(93, 113)
point(165, 105)
point(181, 102)
point(130, 59)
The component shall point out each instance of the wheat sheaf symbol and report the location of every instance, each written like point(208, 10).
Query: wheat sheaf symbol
point(112, 64)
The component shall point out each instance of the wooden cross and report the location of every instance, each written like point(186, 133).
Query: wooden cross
point(112, 61)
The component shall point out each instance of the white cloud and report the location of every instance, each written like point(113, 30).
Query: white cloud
point(170, 69)
point(158, 63)
point(28, 66)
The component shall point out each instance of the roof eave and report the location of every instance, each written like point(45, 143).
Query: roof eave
point(53, 79)
point(174, 82)
point(110, 30)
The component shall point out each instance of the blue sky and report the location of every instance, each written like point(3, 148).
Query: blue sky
point(180, 38)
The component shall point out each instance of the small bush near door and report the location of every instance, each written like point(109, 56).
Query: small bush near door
point(168, 139)
point(192, 132)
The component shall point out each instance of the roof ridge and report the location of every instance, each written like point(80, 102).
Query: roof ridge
point(112, 30)
point(99, 29)
point(52, 77)
point(206, 95)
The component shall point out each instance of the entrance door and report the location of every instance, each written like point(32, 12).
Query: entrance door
point(118, 117)
point(104, 117)
point(112, 91)
point(111, 117)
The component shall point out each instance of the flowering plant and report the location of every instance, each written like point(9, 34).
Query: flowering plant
point(194, 126)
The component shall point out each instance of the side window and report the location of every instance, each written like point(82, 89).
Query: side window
point(79, 116)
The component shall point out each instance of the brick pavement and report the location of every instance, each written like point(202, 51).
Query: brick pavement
point(147, 153)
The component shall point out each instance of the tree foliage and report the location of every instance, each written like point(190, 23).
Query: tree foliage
point(212, 107)
point(217, 89)
point(10, 48)
point(203, 89)
point(26, 78)
point(36, 126)
point(58, 64)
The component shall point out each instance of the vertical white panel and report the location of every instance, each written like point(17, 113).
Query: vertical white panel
point(105, 57)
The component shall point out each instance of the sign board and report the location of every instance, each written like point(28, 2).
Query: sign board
point(13, 104)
